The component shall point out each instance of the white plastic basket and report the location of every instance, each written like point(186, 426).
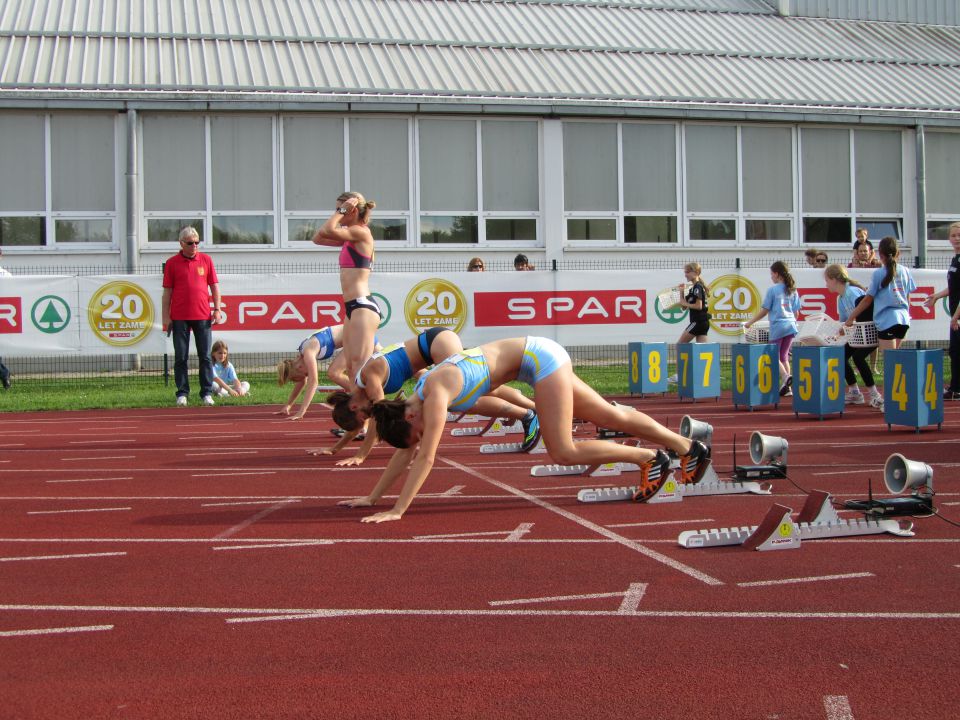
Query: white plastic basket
point(669, 298)
point(820, 330)
point(758, 333)
point(862, 334)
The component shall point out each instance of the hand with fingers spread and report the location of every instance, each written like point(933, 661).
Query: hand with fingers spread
point(380, 517)
point(358, 502)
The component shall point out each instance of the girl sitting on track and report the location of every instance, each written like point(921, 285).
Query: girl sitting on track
point(782, 303)
point(458, 381)
point(849, 292)
point(225, 380)
point(889, 293)
point(387, 371)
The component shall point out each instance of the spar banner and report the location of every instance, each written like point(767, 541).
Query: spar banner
point(43, 315)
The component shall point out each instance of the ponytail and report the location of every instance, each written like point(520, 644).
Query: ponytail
point(284, 370)
point(889, 252)
point(781, 269)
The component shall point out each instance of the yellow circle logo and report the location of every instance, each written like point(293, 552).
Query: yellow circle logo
point(786, 529)
point(120, 313)
point(435, 303)
point(733, 300)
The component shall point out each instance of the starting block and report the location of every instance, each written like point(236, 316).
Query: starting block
point(500, 448)
point(606, 470)
point(495, 427)
point(464, 418)
point(817, 520)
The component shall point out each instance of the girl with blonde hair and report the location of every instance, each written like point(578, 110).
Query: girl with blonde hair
point(849, 292)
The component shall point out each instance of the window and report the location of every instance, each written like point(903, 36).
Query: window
point(712, 186)
point(943, 178)
point(174, 175)
point(649, 183)
point(380, 169)
point(242, 179)
point(76, 202)
point(590, 184)
point(511, 180)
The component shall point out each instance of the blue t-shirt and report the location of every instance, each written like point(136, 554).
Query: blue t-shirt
point(848, 301)
point(225, 372)
point(891, 304)
point(782, 310)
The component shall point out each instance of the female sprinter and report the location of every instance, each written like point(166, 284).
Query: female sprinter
point(889, 293)
point(347, 228)
point(457, 382)
point(387, 371)
point(302, 370)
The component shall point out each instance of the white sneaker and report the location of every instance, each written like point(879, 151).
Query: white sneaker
point(854, 397)
point(181, 400)
point(877, 402)
point(207, 400)
point(672, 380)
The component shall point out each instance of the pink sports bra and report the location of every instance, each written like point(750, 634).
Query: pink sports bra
point(351, 258)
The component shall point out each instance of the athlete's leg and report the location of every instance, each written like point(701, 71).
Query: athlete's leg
point(358, 340)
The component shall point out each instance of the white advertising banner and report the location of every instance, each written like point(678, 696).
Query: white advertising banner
point(43, 315)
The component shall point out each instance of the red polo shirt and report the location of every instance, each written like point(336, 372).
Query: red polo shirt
point(189, 279)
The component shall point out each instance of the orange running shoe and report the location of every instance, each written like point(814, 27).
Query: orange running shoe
point(653, 474)
point(694, 464)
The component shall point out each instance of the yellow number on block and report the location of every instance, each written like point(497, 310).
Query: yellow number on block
point(898, 393)
point(805, 388)
point(930, 393)
point(654, 372)
point(634, 367)
point(833, 378)
point(740, 374)
point(684, 360)
point(764, 374)
point(707, 358)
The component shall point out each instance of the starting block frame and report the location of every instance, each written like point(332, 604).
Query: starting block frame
point(817, 520)
point(503, 448)
point(495, 427)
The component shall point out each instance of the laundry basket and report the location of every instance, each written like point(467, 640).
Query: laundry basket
point(758, 333)
point(669, 298)
point(820, 330)
point(862, 334)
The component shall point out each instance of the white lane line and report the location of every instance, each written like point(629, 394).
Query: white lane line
point(254, 518)
point(222, 452)
point(84, 510)
point(837, 707)
point(62, 557)
point(521, 530)
point(792, 581)
point(79, 480)
point(662, 522)
point(258, 546)
point(632, 598)
point(450, 536)
point(232, 474)
point(557, 598)
point(55, 631)
point(600, 530)
point(12, 444)
point(101, 441)
point(218, 435)
point(246, 502)
point(320, 612)
point(94, 459)
point(455, 490)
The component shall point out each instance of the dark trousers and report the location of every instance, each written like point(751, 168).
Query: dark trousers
point(4, 373)
point(954, 361)
point(859, 356)
point(202, 338)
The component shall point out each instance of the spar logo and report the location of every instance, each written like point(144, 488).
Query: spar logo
point(120, 313)
point(435, 303)
point(288, 312)
point(572, 307)
point(10, 316)
point(50, 314)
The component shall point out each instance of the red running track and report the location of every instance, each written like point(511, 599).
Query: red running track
point(193, 563)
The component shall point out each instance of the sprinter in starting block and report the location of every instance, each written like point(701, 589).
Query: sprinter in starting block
point(416, 424)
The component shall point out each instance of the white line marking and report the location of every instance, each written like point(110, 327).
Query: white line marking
point(94, 442)
point(55, 631)
point(246, 502)
point(219, 436)
point(251, 520)
point(318, 612)
point(516, 535)
point(222, 452)
point(450, 536)
point(837, 707)
point(85, 510)
point(12, 444)
point(632, 598)
point(455, 490)
point(257, 472)
point(791, 581)
point(93, 459)
point(90, 480)
point(62, 557)
point(557, 598)
point(307, 543)
point(663, 522)
point(631, 544)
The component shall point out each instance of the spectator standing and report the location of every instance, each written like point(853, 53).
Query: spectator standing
point(952, 392)
point(864, 256)
point(475, 265)
point(889, 293)
point(189, 281)
point(226, 382)
point(522, 263)
point(782, 303)
point(4, 372)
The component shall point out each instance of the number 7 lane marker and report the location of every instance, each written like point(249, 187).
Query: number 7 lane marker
point(599, 529)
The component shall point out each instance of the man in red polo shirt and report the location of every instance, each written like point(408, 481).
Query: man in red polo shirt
point(189, 280)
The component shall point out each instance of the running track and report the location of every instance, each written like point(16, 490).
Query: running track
point(178, 563)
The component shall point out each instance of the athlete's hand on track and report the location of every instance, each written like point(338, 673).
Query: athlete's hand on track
point(285, 410)
point(320, 451)
point(347, 462)
point(298, 416)
point(382, 517)
point(357, 502)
